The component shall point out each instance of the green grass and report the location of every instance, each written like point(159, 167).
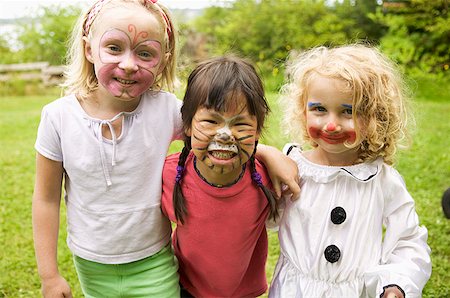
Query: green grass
point(425, 168)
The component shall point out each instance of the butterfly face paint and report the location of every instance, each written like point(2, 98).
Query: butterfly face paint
point(127, 56)
point(129, 66)
point(222, 142)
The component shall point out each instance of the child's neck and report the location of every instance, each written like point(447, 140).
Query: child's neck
point(217, 179)
point(104, 107)
point(321, 157)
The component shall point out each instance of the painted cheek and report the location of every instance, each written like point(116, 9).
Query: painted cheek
point(156, 50)
point(199, 141)
point(351, 136)
point(144, 79)
point(198, 145)
point(106, 77)
point(314, 132)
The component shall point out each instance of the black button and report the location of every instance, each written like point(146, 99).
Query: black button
point(332, 253)
point(338, 215)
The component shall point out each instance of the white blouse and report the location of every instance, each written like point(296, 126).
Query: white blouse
point(332, 240)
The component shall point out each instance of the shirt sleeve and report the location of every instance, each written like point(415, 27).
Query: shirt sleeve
point(48, 140)
point(168, 184)
point(405, 259)
point(178, 123)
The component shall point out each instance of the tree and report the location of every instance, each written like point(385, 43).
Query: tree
point(359, 11)
point(267, 30)
point(44, 36)
point(6, 54)
point(418, 36)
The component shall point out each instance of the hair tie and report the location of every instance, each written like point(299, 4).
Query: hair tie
point(92, 15)
point(180, 170)
point(99, 4)
point(257, 178)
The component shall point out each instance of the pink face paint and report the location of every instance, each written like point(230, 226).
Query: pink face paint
point(129, 64)
point(142, 34)
point(115, 43)
point(119, 83)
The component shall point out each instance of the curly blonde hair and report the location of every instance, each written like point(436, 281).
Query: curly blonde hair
point(79, 74)
point(380, 97)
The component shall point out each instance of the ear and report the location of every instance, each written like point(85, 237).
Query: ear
point(88, 49)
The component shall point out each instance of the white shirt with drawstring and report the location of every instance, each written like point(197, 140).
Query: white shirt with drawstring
point(112, 186)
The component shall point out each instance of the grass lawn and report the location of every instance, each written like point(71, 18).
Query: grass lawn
point(425, 168)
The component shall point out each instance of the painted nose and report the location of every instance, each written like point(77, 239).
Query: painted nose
point(224, 134)
point(223, 137)
point(332, 127)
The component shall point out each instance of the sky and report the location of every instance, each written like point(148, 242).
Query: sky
point(10, 9)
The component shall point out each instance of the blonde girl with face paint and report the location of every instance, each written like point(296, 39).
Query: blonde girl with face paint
point(349, 105)
point(215, 190)
point(105, 141)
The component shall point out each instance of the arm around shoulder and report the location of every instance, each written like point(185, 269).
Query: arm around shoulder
point(282, 170)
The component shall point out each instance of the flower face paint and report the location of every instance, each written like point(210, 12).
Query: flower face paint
point(222, 142)
point(329, 115)
point(126, 56)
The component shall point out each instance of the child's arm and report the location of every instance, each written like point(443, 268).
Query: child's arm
point(405, 259)
point(282, 170)
point(46, 206)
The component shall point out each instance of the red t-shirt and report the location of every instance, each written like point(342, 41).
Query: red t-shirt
point(222, 245)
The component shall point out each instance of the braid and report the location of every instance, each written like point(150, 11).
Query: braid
point(178, 198)
point(256, 177)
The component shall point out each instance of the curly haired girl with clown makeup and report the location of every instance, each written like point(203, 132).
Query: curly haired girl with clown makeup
point(215, 190)
point(349, 103)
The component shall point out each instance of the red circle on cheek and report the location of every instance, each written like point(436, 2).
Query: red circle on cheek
point(351, 136)
point(314, 132)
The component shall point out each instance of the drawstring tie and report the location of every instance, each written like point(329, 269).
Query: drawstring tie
point(108, 123)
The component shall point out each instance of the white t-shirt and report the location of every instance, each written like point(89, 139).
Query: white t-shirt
point(112, 187)
point(331, 238)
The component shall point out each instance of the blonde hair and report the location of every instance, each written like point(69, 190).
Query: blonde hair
point(380, 97)
point(79, 74)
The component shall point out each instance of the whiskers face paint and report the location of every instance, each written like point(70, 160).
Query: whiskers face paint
point(223, 142)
